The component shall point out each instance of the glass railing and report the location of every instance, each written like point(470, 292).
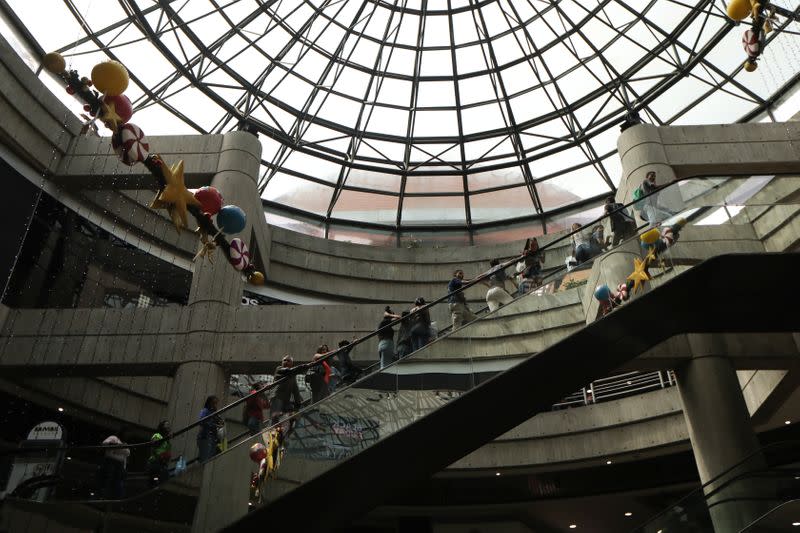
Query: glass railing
point(321, 436)
point(738, 499)
point(367, 404)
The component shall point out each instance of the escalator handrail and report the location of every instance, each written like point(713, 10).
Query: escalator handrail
point(621, 336)
point(793, 443)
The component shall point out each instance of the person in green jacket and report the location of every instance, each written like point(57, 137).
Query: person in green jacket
point(158, 462)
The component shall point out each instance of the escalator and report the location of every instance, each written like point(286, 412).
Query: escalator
point(705, 299)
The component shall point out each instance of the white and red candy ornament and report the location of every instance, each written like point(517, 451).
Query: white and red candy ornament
point(239, 254)
point(130, 144)
point(751, 43)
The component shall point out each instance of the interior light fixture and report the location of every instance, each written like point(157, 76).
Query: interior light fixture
point(795, 524)
point(608, 462)
point(60, 409)
point(787, 422)
point(497, 473)
point(573, 526)
point(629, 513)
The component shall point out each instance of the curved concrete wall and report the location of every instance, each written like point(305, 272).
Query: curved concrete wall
point(373, 276)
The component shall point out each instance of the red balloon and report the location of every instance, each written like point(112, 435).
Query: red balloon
point(258, 452)
point(122, 106)
point(210, 199)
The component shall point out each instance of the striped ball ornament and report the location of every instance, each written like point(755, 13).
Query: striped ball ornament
point(240, 255)
point(130, 144)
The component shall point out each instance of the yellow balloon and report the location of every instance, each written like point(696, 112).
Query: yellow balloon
point(54, 62)
point(256, 278)
point(739, 9)
point(750, 66)
point(110, 78)
point(651, 236)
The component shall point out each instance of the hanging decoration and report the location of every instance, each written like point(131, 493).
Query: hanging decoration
point(764, 16)
point(240, 255)
point(653, 242)
point(107, 103)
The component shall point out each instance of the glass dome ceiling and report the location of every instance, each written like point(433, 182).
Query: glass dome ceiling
point(403, 114)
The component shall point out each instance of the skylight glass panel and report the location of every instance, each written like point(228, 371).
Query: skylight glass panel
point(542, 87)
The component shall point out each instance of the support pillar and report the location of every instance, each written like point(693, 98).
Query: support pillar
point(722, 436)
point(214, 298)
point(192, 384)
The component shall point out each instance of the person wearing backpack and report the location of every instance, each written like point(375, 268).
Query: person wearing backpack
point(651, 211)
point(623, 225)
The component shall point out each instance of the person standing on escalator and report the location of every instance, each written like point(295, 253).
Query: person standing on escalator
point(158, 462)
point(287, 393)
point(459, 311)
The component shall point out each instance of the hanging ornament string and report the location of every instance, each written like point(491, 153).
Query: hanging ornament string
point(108, 104)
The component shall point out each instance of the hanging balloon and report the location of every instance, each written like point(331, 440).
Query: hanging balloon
point(130, 144)
point(258, 452)
point(54, 62)
point(751, 43)
point(110, 78)
point(650, 237)
point(256, 278)
point(231, 219)
point(602, 293)
point(739, 9)
point(210, 200)
point(239, 255)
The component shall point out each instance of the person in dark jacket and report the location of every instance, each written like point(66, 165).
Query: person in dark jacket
point(318, 377)
point(404, 336)
point(347, 369)
point(287, 393)
point(623, 225)
point(207, 436)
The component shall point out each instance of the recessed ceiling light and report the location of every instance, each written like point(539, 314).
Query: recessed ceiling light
point(573, 526)
point(60, 409)
point(629, 513)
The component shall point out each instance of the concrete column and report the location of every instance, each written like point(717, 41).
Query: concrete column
point(192, 384)
point(215, 295)
point(722, 436)
point(642, 150)
point(224, 491)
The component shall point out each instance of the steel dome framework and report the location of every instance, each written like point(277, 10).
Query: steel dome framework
point(403, 114)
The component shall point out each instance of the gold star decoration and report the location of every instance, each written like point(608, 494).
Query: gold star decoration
point(109, 116)
point(174, 197)
point(639, 275)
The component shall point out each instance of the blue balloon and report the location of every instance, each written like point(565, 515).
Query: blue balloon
point(231, 219)
point(602, 292)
